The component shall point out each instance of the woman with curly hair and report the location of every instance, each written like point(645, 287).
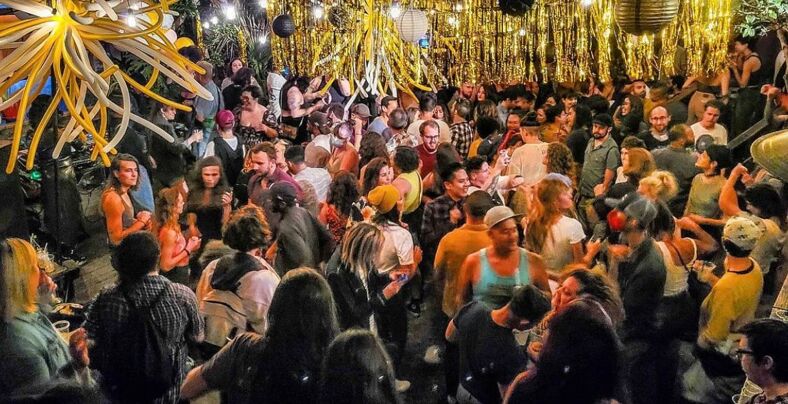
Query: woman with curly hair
point(559, 160)
point(339, 207)
point(175, 250)
point(373, 145)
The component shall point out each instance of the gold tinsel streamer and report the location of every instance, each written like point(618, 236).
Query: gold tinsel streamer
point(471, 40)
point(242, 45)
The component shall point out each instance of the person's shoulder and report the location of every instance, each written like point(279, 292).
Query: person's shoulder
point(182, 292)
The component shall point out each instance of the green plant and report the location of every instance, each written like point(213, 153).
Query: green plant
point(756, 17)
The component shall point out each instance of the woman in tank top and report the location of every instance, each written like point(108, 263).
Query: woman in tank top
point(175, 250)
point(116, 203)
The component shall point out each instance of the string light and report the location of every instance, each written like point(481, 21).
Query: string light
point(264, 4)
point(317, 11)
point(395, 10)
point(586, 3)
point(131, 20)
point(262, 39)
point(230, 12)
point(214, 20)
point(206, 25)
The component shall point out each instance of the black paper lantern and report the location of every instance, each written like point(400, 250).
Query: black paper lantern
point(516, 8)
point(283, 25)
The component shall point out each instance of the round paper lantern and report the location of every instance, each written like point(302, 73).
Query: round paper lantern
point(412, 25)
point(283, 25)
point(516, 8)
point(639, 17)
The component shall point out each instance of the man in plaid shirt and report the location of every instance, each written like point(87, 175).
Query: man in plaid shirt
point(461, 131)
point(174, 312)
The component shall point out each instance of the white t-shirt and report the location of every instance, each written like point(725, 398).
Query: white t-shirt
point(528, 162)
point(557, 250)
point(445, 132)
point(319, 178)
point(397, 248)
point(719, 133)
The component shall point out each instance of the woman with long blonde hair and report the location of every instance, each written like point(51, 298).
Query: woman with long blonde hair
point(33, 351)
point(550, 233)
point(175, 250)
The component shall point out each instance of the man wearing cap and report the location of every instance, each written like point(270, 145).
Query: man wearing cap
point(641, 278)
point(600, 163)
point(359, 118)
point(227, 147)
point(395, 134)
point(731, 304)
point(205, 111)
point(491, 274)
point(300, 239)
point(387, 105)
point(318, 150)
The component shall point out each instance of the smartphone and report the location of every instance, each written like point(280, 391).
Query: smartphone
point(402, 278)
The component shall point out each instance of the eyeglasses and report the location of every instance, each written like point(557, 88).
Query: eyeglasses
point(431, 137)
point(741, 352)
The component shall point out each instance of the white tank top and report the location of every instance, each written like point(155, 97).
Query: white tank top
point(677, 277)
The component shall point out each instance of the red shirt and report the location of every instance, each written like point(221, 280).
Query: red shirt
point(427, 160)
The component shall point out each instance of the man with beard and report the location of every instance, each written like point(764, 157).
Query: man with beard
point(600, 163)
point(657, 135)
point(430, 132)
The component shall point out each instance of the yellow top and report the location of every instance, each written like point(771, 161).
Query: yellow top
point(453, 248)
point(473, 151)
point(412, 199)
point(731, 303)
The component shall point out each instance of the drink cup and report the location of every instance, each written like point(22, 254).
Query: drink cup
point(62, 328)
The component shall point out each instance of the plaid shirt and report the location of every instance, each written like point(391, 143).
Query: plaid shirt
point(761, 399)
point(176, 314)
point(461, 138)
point(436, 222)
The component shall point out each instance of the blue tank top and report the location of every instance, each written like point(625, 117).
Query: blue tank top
point(494, 290)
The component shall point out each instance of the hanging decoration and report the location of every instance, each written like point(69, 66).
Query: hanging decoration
point(382, 45)
point(66, 38)
point(284, 26)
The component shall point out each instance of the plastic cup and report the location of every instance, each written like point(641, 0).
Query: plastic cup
point(62, 327)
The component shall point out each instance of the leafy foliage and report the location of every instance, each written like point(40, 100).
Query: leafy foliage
point(756, 17)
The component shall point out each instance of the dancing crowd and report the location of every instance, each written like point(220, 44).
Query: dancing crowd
point(583, 243)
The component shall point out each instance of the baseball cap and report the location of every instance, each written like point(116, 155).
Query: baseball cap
point(742, 232)
point(383, 198)
point(497, 215)
point(635, 207)
point(361, 110)
point(283, 191)
point(225, 119)
point(603, 120)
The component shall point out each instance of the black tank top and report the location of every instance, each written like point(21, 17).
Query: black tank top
point(758, 77)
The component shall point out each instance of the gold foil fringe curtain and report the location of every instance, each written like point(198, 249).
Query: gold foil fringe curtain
point(471, 40)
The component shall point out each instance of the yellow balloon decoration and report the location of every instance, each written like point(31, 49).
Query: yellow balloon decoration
point(183, 42)
point(63, 39)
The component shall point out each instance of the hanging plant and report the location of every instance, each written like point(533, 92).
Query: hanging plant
point(757, 17)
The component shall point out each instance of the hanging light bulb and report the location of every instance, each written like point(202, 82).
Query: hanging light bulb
point(262, 39)
point(522, 32)
point(131, 20)
point(395, 10)
point(214, 20)
point(263, 3)
point(206, 25)
point(586, 3)
point(317, 11)
point(458, 7)
point(230, 12)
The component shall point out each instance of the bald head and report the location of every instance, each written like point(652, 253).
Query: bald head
point(659, 119)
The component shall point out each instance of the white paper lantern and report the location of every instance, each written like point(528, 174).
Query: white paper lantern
point(412, 25)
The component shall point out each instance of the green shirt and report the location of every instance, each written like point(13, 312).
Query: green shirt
point(32, 352)
point(597, 160)
point(704, 196)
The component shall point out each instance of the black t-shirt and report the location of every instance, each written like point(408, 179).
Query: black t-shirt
point(577, 142)
point(489, 354)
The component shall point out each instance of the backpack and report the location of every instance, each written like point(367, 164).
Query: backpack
point(141, 367)
point(224, 316)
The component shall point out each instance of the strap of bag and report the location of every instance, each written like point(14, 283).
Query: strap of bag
point(676, 250)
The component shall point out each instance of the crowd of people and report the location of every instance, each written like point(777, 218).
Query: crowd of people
point(567, 244)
